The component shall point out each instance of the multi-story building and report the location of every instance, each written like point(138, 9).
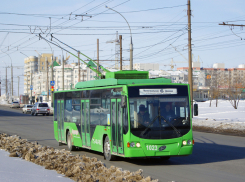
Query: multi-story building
point(31, 66)
point(217, 77)
point(41, 80)
point(41, 74)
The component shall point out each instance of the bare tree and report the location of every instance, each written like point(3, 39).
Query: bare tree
point(235, 88)
point(234, 94)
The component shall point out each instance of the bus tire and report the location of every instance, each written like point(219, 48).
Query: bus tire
point(107, 150)
point(69, 143)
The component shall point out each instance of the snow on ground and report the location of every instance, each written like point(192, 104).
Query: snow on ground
point(13, 169)
point(222, 117)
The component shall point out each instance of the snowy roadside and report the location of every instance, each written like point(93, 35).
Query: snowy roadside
point(222, 119)
point(17, 169)
point(78, 168)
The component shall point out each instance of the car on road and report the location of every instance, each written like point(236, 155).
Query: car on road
point(40, 108)
point(15, 104)
point(27, 108)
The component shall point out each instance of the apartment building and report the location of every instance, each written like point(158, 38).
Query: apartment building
point(41, 69)
point(41, 80)
point(31, 66)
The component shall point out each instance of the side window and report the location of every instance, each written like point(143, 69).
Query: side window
point(125, 120)
point(105, 111)
point(55, 106)
point(95, 107)
point(68, 107)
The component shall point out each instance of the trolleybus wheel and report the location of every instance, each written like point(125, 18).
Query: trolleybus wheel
point(69, 143)
point(107, 150)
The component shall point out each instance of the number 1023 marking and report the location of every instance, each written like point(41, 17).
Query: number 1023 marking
point(151, 147)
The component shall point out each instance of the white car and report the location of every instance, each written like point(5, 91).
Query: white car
point(27, 108)
point(15, 104)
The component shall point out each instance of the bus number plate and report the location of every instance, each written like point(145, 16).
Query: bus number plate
point(151, 147)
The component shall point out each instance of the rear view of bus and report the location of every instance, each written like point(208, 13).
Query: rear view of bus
point(160, 124)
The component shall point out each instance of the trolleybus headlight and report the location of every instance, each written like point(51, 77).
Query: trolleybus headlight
point(184, 142)
point(132, 144)
point(189, 142)
point(137, 144)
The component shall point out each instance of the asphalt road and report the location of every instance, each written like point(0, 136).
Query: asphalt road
point(215, 157)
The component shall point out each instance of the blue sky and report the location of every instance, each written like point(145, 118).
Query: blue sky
point(155, 25)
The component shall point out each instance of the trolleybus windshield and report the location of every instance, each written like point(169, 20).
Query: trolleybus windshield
point(159, 112)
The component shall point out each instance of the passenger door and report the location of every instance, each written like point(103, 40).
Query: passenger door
point(116, 126)
point(85, 123)
point(60, 119)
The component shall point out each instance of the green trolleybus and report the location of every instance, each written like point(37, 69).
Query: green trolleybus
point(127, 114)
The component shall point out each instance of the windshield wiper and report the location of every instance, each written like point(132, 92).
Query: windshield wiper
point(177, 131)
point(143, 132)
point(160, 117)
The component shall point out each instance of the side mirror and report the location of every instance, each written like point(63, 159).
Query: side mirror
point(123, 101)
point(195, 109)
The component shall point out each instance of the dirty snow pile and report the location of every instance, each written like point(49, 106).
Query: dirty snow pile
point(79, 168)
point(223, 118)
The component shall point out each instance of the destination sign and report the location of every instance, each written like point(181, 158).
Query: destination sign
point(166, 91)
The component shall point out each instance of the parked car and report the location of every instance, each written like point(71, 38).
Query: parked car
point(15, 104)
point(27, 108)
point(40, 108)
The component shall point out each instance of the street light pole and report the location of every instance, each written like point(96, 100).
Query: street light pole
point(131, 39)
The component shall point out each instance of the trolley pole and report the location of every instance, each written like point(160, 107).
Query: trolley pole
point(190, 53)
point(120, 39)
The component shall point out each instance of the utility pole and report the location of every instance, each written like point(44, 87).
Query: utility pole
point(190, 53)
point(98, 57)
point(12, 80)
point(6, 86)
point(83, 75)
point(52, 79)
point(120, 40)
point(47, 80)
point(18, 86)
point(78, 66)
point(32, 88)
point(63, 80)
point(116, 41)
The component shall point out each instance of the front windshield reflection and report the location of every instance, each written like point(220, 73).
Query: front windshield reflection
point(159, 117)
